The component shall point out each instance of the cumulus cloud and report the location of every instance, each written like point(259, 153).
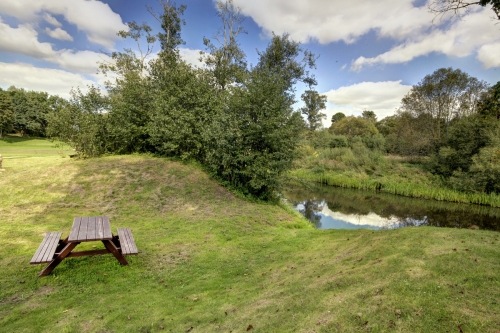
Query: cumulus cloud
point(51, 20)
point(331, 21)
point(53, 81)
point(58, 33)
point(381, 97)
point(489, 55)
point(23, 40)
point(95, 18)
point(463, 38)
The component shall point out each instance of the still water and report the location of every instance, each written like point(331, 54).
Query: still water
point(330, 207)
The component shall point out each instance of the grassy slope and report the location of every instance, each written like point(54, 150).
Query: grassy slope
point(211, 261)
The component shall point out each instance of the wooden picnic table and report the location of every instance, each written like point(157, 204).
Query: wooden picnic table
point(53, 249)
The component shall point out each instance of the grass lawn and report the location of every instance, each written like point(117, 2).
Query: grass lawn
point(211, 262)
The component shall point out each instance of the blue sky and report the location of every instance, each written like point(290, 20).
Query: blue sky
point(371, 52)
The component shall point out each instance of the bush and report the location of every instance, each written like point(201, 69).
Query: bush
point(338, 141)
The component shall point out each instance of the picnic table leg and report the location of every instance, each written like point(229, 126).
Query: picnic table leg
point(57, 260)
point(113, 249)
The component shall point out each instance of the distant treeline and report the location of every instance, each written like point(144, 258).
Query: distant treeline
point(26, 112)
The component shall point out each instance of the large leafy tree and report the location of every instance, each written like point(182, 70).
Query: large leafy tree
point(254, 137)
point(314, 103)
point(441, 97)
point(82, 122)
point(130, 96)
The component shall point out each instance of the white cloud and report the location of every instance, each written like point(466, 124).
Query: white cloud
point(95, 18)
point(190, 56)
point(335, 20)
point(489, 55)
point(52, 20)
point(381, 97)
point(58, 33)
point(24, 40)
point(53, 81)
point(463, 38)
point(80, 61)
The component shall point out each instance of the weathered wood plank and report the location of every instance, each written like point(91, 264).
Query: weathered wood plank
point(106, 227)
point(51, 249)
point(47, 248)
point(41, 249)
point(132, 246)
point(127, 242)
point(82, 233)
point(87, 253)
point(99, 232)
point(91, 228)
point(123, 240)
point(73, 235)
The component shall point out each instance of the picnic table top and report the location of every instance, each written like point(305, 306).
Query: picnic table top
point(90, 228)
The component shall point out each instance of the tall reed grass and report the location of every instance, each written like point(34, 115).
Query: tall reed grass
point(397, 187)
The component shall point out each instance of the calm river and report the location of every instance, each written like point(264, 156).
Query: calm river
point(330, 207)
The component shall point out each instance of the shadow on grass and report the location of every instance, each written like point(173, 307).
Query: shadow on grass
point(10, 138)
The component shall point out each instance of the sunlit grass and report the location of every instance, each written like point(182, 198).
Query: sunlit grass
point(216, 263)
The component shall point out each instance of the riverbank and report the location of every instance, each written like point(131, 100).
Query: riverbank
point(212, 262)
point(368, 170)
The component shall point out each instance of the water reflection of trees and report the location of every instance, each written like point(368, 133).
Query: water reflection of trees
point(406, 211)
point(311, 209)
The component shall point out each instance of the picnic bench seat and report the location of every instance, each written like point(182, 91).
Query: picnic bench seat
point(127, 243)
point(47, 249)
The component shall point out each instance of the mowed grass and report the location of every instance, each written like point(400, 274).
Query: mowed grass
point(212, 262)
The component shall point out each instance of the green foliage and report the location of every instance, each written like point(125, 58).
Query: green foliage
point(375, 142)
point(369, 115)
point(227, 60)
point(314, 103)
point(483, 174)
point(489, 104)
point(171, 23)
point(130, 95)
point(183, 103)
point(30, 110)
point(253, 141)
point(338, 141)
point(82, 122)
point(387, 125)
point(6, 113)
point(337, 117)
point(437, 100)
point(354, 126)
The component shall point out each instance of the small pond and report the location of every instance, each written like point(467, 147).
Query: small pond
point(330, 207)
